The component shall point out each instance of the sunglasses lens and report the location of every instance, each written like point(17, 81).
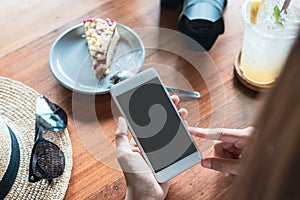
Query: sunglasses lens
point(48, 160)
point(49, 115)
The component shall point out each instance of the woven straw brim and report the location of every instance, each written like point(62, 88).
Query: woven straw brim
point(5, 148)
point(17, 109)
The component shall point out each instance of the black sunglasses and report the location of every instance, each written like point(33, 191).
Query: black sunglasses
point(47, 159)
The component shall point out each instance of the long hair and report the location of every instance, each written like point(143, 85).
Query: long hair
point(271, 161)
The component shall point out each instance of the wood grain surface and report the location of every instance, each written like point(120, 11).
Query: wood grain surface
point(29, 29)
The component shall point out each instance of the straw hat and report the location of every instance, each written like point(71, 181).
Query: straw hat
point(17, 113)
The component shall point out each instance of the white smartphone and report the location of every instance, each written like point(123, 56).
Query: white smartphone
point(156, 125)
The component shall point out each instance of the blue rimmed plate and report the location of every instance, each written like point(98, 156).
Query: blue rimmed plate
point(71, 64)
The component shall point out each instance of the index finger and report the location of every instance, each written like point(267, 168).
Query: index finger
point(222, 134)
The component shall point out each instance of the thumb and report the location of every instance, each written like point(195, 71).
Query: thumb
point(223, 165)
point(122, 142)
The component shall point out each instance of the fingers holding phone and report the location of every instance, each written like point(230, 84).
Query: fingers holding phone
point(182, 111)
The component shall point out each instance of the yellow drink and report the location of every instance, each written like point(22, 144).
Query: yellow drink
point(265, 45)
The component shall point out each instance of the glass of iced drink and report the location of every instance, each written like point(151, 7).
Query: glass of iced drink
point(269, 34)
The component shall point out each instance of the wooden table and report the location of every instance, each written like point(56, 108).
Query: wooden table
point(29, 28)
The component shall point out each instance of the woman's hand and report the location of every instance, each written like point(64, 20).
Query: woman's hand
point(141, 183)
point(227, 149)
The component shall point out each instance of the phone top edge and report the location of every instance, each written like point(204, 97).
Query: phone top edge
point(134, 81)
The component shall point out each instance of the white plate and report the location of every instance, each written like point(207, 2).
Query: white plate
point(71, 64)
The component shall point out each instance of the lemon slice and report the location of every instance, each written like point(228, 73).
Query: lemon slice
point(254, 8)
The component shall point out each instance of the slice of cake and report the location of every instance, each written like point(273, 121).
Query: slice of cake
point(102, 37)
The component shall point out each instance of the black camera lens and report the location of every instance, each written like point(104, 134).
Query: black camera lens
point(202, 20)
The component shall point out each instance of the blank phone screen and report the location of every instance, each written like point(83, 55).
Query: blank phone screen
point(156, 124)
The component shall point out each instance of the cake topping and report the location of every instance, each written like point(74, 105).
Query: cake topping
point(102, 37)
